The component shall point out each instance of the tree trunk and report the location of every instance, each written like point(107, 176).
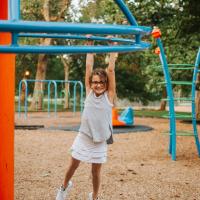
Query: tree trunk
point(42, 60)
point(163, 103)
point(66, 70)
point(37, 99)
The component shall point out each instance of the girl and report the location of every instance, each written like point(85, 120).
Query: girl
point(96, 124)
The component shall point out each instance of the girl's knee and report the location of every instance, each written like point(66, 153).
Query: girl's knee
point(96, 169)
point(75, 163)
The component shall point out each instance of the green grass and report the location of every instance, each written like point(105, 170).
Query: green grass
point(137, 113)
point(154, 113)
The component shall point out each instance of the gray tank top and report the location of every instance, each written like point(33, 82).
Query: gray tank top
point(96, 121)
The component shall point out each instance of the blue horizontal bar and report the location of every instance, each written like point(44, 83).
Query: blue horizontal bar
point(79, 37)
point(47, 81)
point(62, 27)
point(73, 49)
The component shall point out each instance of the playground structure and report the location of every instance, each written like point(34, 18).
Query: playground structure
point(15, 28)
point(49, 83)
point(11, 24)
point(126, 118)
point(170, 96)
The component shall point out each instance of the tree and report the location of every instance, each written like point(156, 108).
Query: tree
point(66, 62)
point(180, 42)
point(51, 10)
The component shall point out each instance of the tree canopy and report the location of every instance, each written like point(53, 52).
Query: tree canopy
point(137, 73)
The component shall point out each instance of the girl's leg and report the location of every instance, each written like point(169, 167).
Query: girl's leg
point(96, 172)
point(70, 172)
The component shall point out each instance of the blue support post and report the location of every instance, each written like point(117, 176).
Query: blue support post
point(74, 105)
point(14, 10)
point(194, 123)
point(25, 99)
point(81, 95)
point(137, 39)
point(172, 139)
point(14, 14)
point(55, 96)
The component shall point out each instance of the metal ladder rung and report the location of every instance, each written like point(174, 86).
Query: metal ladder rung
point(182, 68)
point(179, 116)
point(181, 83)
point(179, 99)
point(177, 82)
point(181, 65)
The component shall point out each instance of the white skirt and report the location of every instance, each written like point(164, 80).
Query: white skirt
point(84, 149)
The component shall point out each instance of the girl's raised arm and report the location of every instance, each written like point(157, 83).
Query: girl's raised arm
point(111, 76)
point(89, 67)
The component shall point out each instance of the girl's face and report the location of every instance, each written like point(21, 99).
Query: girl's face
point(98, 85)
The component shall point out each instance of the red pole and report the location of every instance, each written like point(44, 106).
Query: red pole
point(7, 93)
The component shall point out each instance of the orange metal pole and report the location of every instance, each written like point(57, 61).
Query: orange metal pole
point(7, 88)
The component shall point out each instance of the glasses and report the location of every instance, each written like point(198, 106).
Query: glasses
point(101, 83)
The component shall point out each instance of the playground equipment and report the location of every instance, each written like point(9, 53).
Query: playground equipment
point(126, 118)
point(170, 97)
point(15, 27)
point(19, 28)
point(11, 23)
point(49, 83)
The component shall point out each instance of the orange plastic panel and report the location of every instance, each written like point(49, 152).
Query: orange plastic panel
point(115, 121)
point(7, 77)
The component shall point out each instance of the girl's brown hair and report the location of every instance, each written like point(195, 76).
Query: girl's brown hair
point(101, 73)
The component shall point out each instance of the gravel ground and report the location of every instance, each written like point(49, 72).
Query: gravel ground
point(138, 168)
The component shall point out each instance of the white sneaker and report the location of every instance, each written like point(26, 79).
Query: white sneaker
point(90, 197)
point(63, 193)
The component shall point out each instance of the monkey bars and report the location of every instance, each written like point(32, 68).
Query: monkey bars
point(41, 29)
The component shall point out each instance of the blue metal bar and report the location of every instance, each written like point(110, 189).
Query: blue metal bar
point(48, 99)
point(19, 102)
point(172, 142)
point(62, 27)
point(25, 100)
point(14, 9)
point(74, 105)
point(81, 100)
point(137, 39)
point(15, 38)
point(14, 14)
point(59, 81)
point(81, 96)
point(81, 91)
point(79, 37)
point(126, 12)
point(73, 49)
point(55, 96)
point(194, 123)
